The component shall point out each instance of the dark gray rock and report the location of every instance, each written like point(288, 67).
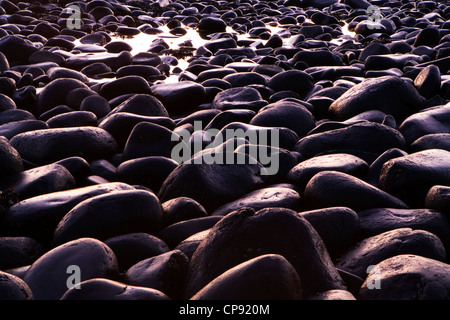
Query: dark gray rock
point(6, 103)
point(379, 220)
point(428, 81)
point(432, 141)
point(267, 277)
point(347, 163)
point(103, 217)
point(262, 198)
point(332, 189)
point(369, 137)
point(165, 272)
point(47, 210)
point(294, 80)
point(411, 176)
point(432, 120)
point(16, 49)
point(336, 294)
point(14, 288)
point(11, 129)
point(337, 226)
point(18, 251)
point(133, 247)
point(181, 209)
point(105, 289)
point(375, 249)
point(49, 276)
point(10, 160)
point(40, 180)
point(73, 119)
point(407, 277)
point(373, 176)
point(438, 198)
point(46, 146)
point(389, 94)
point(243, 235)
point(124, 85)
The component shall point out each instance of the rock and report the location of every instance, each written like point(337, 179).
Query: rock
point(190, 244)
point(336, 294)
point(228, 116)
point(243, 79)
point(150, 172)
point(105, 289)
point(73, 119)
point(33, 182)
point(96, 104)
point(120, 124)
point(427, 37)
point(165, 272)
point(314, 58)
point(411, 176)
point(332, 189)
point(142, 104)
point(52, 274)
point(438, 198)
point(55, 93)
point(208, 25)
point(149, 139)
point(368, 137)
point(124, 85)
point(18, 251)
point(102, 216)
point(60, 72)
point(389, 94)
point(179, 231)
point(14, 288)
point(10, 160)
point(375, 249)
point(262, 198)
point(428, 81)
point(47, 210)
point(46, 146)
point(181, 209)
point(239, 98)
point(347, 163)
point(337, 226)
point(11, 129)
point(379, 220)
point(16, 49)
point(133, 247)
point(432, 141)
point(12, 115)
point(431, 120)
point(266, 277)
point(294, 80)
point(6, 103)
point(407, 277)
point(285, 114)
point(242, 235)
point(224, 183)
point(180, 97)
point(373, 176)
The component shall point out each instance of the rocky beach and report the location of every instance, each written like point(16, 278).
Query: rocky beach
point(224, 150)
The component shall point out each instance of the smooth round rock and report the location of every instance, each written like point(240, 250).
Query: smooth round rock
point(10, 159)
point(181, 209)
point(428, 81)
point(432, 141)
point(438, 198)
point(342, 162)
point(14, 288)
point(48, 209)
point(165, 272)
point(124, 85)
point(294, 80)
point(333, 189)
point(102, 217)
point(389, 94)
point(106, 289)
point(73, 119)
point(133, 247)
point(242, 235)
point(262, 198)
point(18, 251)
point(267, 277)
point(375, 249)
point(49, 145)
point(50, 276)
point(337, 226)
point(407, 277)
point(411, 176)
point(334, 295)
point(142, 104)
